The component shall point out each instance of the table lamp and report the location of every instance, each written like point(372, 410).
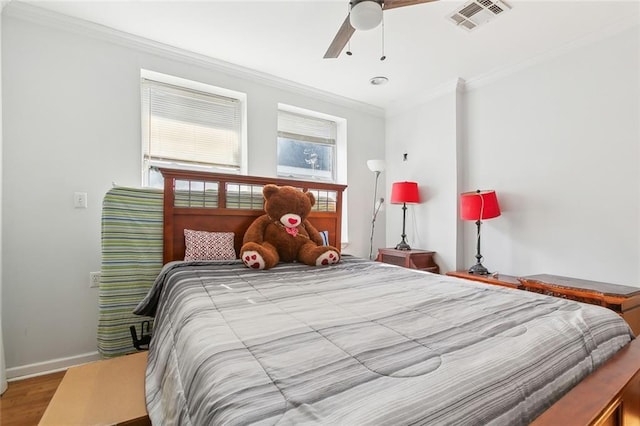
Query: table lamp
point(479, 205)
point(403, 193)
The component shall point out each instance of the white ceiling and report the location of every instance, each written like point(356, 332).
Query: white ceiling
point(424, 49)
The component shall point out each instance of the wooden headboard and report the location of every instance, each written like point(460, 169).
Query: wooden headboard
point(217, 202)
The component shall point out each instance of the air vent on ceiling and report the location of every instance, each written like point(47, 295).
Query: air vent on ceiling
point(477, 12)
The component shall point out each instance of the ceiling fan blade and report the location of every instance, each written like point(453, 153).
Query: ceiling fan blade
point(393, 4)
point(340, 40)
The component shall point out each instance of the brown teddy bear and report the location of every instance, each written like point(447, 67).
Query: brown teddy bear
point(284, 233)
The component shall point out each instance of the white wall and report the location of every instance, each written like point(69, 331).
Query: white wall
point(558, 141)
point(71, 103)
point(428, 133)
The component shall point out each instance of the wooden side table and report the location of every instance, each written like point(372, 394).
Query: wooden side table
point(495, 279)
point(622, 299)
point(414, 259)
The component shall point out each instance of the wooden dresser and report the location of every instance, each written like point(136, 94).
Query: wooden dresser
point(622, 299)
point(495, 279)
point(414, 259)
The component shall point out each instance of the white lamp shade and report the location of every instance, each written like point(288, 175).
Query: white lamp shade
point(366, 15)
point(375, 165)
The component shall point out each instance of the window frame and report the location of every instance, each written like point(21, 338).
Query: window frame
point(334, 140)
point(340, 166)
point(204, 88)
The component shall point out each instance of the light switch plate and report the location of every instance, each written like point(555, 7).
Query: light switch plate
point(80, 200)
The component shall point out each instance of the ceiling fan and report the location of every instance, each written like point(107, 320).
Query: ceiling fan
point(363, 15)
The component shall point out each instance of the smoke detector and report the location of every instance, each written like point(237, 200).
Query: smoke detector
point(378, 81)
point(477, 12)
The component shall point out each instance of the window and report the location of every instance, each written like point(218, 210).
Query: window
point(189, 125)
point(306, 146)
point(313, 146)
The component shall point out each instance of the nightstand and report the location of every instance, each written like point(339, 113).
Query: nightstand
point(495, 279)
point(414, 259)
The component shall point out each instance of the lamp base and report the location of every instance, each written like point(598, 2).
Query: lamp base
point(403, 246)
point(478, 269)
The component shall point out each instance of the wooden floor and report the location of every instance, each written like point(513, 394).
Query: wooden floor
point(25, 401)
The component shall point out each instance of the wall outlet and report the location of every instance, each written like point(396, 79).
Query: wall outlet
point(94, 279)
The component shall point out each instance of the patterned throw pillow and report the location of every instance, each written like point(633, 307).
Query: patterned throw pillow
point(202, 245)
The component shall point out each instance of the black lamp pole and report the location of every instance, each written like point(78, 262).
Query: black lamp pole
point(478, 268)
point(403, 244)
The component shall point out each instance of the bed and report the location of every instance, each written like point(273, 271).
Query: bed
point(363, 342)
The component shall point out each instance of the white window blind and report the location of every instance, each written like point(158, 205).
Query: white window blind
point(305, 128)
point(182, 127)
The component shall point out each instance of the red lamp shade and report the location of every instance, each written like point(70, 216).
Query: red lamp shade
point(404, 192)
point(479, 205)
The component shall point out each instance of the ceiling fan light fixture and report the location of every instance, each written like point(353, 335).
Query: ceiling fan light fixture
point(366, 15)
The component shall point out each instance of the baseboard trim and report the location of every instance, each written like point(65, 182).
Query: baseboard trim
point(51, 366)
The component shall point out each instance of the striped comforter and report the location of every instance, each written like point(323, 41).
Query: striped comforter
point(361, 343)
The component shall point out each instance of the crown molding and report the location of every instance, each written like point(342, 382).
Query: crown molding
point(59, 21)
point(51, 19)
point(466, 85)
point(405, 104)
point(608, 31)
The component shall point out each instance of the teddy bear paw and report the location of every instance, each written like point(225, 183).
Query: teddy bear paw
point(328, 258)
point(253, 259)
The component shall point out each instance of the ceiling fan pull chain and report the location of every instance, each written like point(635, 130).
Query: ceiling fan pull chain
point(383, 57)
point(348, 52)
